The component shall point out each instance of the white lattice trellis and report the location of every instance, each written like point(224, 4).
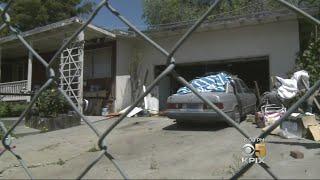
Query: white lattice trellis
point(71, 71)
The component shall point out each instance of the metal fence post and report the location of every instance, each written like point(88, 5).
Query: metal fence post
point(170, 70)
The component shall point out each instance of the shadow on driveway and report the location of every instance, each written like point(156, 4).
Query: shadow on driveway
point(308, 145)
point(197, 126)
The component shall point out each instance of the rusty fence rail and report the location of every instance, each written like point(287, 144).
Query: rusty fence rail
point(170, 70)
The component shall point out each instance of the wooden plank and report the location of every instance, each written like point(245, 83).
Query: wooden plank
point(309, 121)
point(95, 94)
point(315, 132)
point(257, 91)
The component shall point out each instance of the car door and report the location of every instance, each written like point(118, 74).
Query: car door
point(240, 96)
point(250, 99)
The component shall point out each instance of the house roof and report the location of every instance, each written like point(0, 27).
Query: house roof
point(50, 37)
point(230, 21)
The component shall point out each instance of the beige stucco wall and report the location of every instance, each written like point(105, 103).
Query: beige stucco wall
point(278, 40)
point(123, 89)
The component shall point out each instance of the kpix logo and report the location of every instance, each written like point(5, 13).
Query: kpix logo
point(259, 150)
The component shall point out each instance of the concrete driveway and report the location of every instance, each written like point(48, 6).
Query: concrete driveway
point(157, 148)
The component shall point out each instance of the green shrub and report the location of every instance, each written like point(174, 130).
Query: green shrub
point(17, 109)
point(12, 109)
point(51, 103)
point(3, 109)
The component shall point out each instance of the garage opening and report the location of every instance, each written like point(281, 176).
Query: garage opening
point(248, 69)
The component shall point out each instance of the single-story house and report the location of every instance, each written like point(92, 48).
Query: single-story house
point(254, 47)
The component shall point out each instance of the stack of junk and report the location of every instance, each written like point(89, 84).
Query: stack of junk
point(149, 107)
point(299, 125)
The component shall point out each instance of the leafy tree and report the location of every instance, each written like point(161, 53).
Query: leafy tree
point(157, 12)
point(28, 14)
point(170, 11)
point(309, 60)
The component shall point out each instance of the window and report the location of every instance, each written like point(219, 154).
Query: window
point(97, 63)
point(6, 72)
point(14, 71)
point(237, 86)
point(21, 71)
point(230, 88)
point(244, 87)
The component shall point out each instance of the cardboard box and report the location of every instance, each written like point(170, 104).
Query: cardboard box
point(315, 132)
point(302, 126)
point(309, 121)
point(294, 125)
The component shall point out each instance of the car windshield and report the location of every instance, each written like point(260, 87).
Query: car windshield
point(212, 83)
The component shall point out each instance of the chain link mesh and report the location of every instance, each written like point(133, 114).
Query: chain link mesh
point(170, 70)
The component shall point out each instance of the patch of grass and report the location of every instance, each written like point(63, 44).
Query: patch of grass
point(93, 149)
point(60, 162)
point(12, 109)
point(2, 133)
point(153, 164)
point(44, 130)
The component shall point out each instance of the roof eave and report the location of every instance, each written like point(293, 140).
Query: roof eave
point(55, 26)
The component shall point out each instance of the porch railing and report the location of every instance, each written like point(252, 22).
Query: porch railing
point(13, 87)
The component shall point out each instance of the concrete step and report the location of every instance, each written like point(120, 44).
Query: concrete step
point(20, 131)
point(9, 121)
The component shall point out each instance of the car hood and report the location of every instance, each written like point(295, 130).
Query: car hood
point(192, 98)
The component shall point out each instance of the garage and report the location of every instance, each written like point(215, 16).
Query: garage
point(248, 69)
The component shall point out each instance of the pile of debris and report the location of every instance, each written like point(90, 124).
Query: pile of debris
point(297, 126)
point(302, 124)
point(150, 107)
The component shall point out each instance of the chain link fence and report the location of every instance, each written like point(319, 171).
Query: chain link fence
point(170, 70)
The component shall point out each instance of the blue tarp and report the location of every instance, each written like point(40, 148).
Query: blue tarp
point(212, 83)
